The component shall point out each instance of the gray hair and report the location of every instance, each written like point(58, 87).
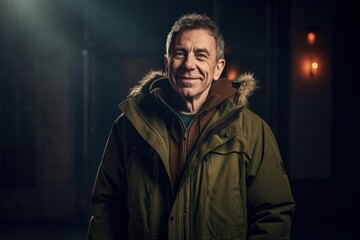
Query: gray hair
point(196, 21)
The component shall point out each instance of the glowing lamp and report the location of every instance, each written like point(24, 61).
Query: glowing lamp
point(311, 38)
point(314, 65)
point(313, 68)
point(232, 73)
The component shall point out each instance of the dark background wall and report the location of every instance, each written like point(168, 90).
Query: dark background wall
point(65, 65)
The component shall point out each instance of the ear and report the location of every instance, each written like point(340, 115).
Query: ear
point(219, 68)
point(166, 63)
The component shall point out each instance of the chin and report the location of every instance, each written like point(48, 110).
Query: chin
point(186, 94)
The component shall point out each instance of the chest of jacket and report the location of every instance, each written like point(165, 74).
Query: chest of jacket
point(208, 203)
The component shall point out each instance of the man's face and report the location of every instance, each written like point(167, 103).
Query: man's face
point(192, 64)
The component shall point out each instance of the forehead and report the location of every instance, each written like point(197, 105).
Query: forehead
point(196, 37)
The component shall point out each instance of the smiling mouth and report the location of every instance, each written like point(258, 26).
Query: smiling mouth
point(183, 78)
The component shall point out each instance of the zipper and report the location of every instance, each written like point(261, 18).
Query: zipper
point(185, 129)
point(184, 137)
point(232, 116)
point(183, 159)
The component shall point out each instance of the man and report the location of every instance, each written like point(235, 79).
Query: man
point(187, 159)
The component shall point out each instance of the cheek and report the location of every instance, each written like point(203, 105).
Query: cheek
point(173, 67)
point(208, 70)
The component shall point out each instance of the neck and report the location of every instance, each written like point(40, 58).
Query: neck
point(189, 105)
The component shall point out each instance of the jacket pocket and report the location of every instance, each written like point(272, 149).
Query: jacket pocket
point(142, 172)
point(225, 217)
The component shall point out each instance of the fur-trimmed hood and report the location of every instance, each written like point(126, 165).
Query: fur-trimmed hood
point(244, 83)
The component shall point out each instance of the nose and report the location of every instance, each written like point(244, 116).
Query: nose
point(189, 62)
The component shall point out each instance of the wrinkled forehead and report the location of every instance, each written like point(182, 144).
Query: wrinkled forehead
point(201, 38)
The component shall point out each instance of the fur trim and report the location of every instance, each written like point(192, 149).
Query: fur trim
point(146, 82)
point(246, 85)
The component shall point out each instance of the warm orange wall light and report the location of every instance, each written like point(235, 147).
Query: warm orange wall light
point(232, 73)
point(310, 67)
point(313, 68)
point(311, 38)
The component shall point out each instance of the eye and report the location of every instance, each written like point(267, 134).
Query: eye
point(178, 54)
point(201, 56)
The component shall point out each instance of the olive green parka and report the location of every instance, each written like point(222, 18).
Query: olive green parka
point(232, 184)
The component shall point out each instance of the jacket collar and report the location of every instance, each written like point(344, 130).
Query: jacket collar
point(238, 90)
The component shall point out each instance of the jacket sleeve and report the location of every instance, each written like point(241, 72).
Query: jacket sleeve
point(270, 201)
point(109, 219)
